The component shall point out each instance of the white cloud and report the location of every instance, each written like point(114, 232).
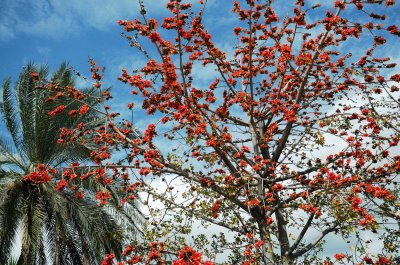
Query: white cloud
point(5, 32)
point(59, 18)
point(44, 51)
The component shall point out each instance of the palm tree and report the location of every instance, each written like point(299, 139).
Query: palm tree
point(12, 261)
point(54, 225)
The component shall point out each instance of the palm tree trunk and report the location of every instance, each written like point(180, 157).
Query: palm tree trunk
point(57, 251)
point(85, 247)
point(25, 257)
point(20, 259)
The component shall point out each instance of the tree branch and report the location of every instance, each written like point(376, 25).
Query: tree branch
point(316, 241)
point(302, 233)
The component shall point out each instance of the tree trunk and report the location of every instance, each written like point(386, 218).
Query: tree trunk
point(21, 260)
point(287, 260)
point(267, 250)
point(25, 258)
point(57, 250)
point(85, 247)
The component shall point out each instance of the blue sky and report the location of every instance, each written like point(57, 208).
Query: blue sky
point(52, 31)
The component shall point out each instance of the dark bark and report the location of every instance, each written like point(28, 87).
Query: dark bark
point(85, 247)
point(57, 251)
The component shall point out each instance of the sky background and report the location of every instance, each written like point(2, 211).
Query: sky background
point(53, 31)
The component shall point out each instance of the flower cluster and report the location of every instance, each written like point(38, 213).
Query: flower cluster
point(61, 185)
point(188, 256)
point(42, 175)
point(57, 110)
point(102, 197)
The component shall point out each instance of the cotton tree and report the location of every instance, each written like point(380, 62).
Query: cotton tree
point(291, 141)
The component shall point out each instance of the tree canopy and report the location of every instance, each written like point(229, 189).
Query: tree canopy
point(54, 222)
point(285, 137)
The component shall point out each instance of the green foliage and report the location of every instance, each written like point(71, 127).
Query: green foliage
point(71, 230)
point(12, 261)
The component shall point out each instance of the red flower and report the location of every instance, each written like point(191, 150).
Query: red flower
point(128, 250)
point(259, 243)
point(131, 105)
point(395, 78)
point(368, 260)
point(368, 78)
point(237, 30)
point(144, 171)
point(79, 195)
point(35, 76)
point(109, 260)
point(57, 110)
point(61, 185)
point(188, 255)
point(154, 37)
point(379, 40)
point(340, 256)
point(37, 177)
point(102, 197)
point(215, 208)
point(41, 167)
point(153, 255)
point(389, 2)
point(383, 260)
point(41, 176)
point(149, 133)
point(393, 30)
point(83, 109)
point(73, 113)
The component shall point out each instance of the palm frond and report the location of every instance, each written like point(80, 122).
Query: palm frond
point(99, 227)
point(73, 246)
point(40, 253)
point(32, 226)
point(63, 75)
point(12, 261)
point(9, 156)
point(128, 215)
point(25, 88)
point(42, 212)
point(9, 220)
point(9, 113)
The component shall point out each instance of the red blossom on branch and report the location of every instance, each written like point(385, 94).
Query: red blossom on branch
point(289, 125)
point(59, 109)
